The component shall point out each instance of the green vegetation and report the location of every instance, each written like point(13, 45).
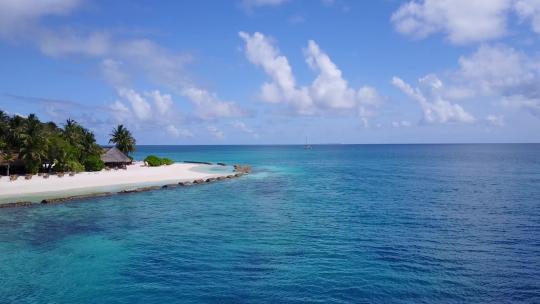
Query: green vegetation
point(167, 161)
point(155, 161)
point(123, 140)
point(94, 163)
point(46, 147)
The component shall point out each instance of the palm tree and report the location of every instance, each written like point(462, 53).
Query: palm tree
point(4, 125)
point(33, 148)
point(8, 157)
point(122, 139)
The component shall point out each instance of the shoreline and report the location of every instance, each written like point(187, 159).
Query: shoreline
point(136, 178)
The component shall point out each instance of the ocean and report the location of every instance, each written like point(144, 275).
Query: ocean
point(333, 224)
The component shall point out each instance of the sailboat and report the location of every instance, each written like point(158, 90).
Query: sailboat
point(307, 146)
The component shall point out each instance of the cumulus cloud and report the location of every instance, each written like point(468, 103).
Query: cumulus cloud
point(434, 107)
point(163, 102)
point(176, 132)
point(215, 132)
point(140, 107)
point(529, 10)
point(209, 106)
point(462, 21)
point(504, 73)
point(20, 20)
point(329, 90)
point(498, 70)
point(496, 73)
point(151, 108)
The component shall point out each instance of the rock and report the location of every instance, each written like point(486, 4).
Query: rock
point(198, 181)
point(129, 191)
point(184, 184)
point(221, 164)
point(211, 179)
point(75, 197)
point(196, 162)
point(169, 186)
point(16, 204)
point(143, 189)
point(53, 200)
point(221, 177)
point(242, 169)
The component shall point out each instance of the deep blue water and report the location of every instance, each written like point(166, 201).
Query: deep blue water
point(335, 224)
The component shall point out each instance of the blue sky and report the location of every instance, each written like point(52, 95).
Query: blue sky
point(276, 71)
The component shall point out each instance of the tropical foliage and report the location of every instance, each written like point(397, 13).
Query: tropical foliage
point(155, 161)
point(122, 139)
point(47, 147)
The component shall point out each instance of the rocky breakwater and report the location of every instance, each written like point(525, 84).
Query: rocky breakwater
point(239, 170)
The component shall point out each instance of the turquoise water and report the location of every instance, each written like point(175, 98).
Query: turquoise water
point(335, 224)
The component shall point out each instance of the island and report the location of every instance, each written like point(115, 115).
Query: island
point(44, 163)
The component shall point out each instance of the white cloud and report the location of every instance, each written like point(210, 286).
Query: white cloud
point(18, 16)
point(529, 10)
point(498, 70)
point(261, 52)
point(501, 73)
point(209, 106)
point(120, 111)
point(176, 132)
point(20, 19)
point(244, 128)
point(495, 73)
point(140, 107)
point(435, 109)
point(529, 104)
point(462, 21)
point(162, 102)
point(148, 109)
point(215, 132)
point(329, 90)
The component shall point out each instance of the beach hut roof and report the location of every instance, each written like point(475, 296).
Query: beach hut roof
point(113, 155)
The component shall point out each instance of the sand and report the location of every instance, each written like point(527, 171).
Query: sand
point(135, 176)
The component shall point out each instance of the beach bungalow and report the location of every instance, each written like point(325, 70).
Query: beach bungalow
point(112, 157)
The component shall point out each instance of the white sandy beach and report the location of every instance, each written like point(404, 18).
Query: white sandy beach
point(95, 182)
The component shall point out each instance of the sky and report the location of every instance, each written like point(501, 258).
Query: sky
point(277, 71)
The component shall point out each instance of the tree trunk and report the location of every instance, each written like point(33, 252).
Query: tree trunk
point(8, 170)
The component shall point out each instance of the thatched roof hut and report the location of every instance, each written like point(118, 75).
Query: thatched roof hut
point(114, 157)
